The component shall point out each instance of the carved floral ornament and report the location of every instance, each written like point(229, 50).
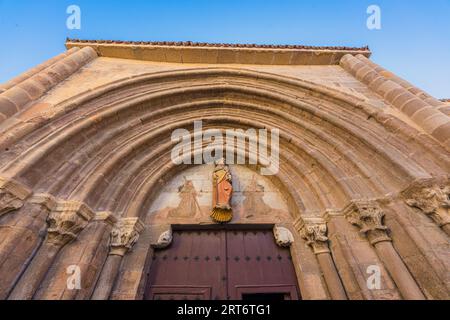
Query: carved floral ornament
point(124, 235)
point(369, 217)
point(434, 201)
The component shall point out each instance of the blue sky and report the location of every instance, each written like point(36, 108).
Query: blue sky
point(414, 41)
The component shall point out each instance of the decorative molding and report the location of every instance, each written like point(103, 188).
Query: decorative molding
point(432, 200)
point(124, 235)
point(107, 217)
point(66, 222)
point(44, 199)
point(211, 53)
point(369, 217)
point(283, 236)
point(164, 240)
point(314, 231)
point(12, 195)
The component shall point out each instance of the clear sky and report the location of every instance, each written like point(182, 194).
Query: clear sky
point(414, 40)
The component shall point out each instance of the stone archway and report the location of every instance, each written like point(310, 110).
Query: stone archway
point(96, 162)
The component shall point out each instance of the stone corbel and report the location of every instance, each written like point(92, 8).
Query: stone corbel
point(12, 195)
point(369, 217)
point(432, 200)
point(124, 235)
point(164, 240)
point(283, 236)
point(66, 221)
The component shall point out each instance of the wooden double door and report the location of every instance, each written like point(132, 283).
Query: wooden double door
point(222, 265)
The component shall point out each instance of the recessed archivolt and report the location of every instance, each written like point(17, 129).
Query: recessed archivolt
point(123, 130)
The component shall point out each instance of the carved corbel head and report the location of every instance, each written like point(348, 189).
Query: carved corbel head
point(66, 222)
point(124, 235)
point(283, 237)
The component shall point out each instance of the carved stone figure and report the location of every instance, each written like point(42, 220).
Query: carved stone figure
point(222, 191)
point(188, 207)
point(283, 237)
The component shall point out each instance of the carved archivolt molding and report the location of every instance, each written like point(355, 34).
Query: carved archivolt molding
point(164, 240)
point(283, 237)
point(369, 217)
point(433, 200)
point(315, 233)
point(12, 195)
point(124, 235)
point(66, 222)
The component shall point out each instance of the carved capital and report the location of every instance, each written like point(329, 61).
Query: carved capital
point(12, 195)
point(369, 217)
point(315, 234)
point(66, 222)
point(124, 235)
point(434, 201)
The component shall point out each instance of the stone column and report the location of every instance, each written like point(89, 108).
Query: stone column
point(434, 201)
point(314, 232)
point(123, 236)
point(64, 224)
point(368, 216)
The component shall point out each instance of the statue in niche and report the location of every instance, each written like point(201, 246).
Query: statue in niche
point(254, 203)
point(222, 191)
point(188, 207)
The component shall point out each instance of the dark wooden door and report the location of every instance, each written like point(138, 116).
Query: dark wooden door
point(221, 265)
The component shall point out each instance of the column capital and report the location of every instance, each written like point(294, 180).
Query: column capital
point(124, 235)
point(66, 222)
point(369, 217)
point(314, 231)
point(433, 200)
point(12, 195)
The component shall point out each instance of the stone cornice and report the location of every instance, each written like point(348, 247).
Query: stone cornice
point(192, 52)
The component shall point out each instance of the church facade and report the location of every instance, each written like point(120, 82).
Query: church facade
point(95, 204)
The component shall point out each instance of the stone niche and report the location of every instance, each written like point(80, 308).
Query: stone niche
point(187, 199)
